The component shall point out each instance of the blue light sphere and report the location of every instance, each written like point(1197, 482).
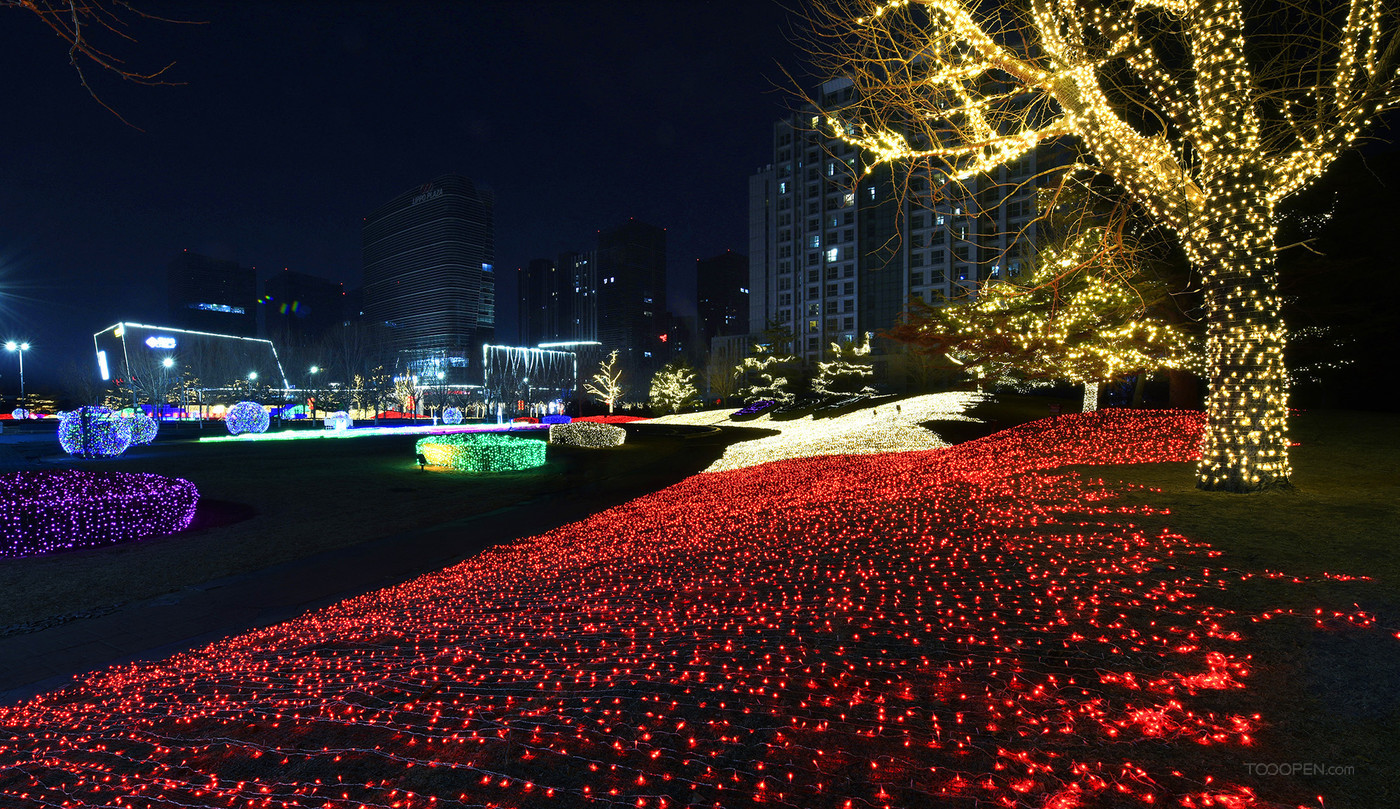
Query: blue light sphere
point(339, 420)
point(19, 414)
point(94, 432)
point(451, 415)
point(143, 428)
point(246, 417)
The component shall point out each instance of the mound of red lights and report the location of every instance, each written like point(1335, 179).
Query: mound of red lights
point(957, 627)
point(52, 510)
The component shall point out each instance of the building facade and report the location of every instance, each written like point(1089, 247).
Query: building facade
point(213, 295)
point(429, 270)
point(721, 296)
point(836, 252)
point(630, 268)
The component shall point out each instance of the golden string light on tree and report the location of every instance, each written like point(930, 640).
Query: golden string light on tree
point(1075, 317)
point(1206, 115)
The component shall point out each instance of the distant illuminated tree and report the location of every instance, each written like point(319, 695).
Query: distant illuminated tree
point(1070, 319)
point(847, 370)
point(673, 388)
point(1207, 112)
point(765, 373)
point(606, 385)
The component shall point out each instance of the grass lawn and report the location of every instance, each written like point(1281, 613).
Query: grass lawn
point(1337, 689)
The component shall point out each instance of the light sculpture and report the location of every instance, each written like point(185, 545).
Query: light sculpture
point(556, 418)
point(19, 414)
point(587, 434)
point(975, 626)
point(845, 374)
point(53, 510)
point(482, 452)
point(754, 409)
point(339, 420)
point(92, 431)
point(767, 371)
point(452, 415)
point(1208, 114)
point(866, 431)
point(246, 418)
point(143, 427)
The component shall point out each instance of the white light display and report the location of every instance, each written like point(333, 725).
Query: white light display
point(893, 427)
point(589, 434)
point(339, 420)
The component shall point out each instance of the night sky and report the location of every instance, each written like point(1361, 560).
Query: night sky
point(296, 119)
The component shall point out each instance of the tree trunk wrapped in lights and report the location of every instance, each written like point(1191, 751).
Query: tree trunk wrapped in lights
point(1206, 121)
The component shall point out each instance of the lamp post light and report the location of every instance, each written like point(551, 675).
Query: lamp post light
point(21, 348)
point(165, 366)
point(315, 369)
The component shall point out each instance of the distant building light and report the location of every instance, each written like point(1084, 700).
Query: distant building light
point(219, 307)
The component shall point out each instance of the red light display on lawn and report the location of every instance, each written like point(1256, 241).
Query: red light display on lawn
point(959, 627)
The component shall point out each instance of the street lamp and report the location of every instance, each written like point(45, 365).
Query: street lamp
point(315, 369)
point(21, 348)
point(165, 366)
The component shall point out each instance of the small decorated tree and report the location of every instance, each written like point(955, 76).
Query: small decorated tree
point(1074, 318)
point(847, 371)
point(767, 372)
point(606, 385)
point(673, 388)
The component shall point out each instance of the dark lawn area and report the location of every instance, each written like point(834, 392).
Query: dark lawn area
point(271, 502)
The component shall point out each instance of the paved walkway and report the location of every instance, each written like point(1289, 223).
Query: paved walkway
point(45, 659)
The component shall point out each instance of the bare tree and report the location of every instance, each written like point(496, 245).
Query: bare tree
point(1207, 112)
point(85, 25)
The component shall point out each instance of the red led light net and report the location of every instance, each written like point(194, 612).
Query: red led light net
point(954, 627)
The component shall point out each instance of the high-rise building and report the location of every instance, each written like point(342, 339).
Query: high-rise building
point(580, 278)
point(299, 309)
point(213, 295)
point(558, 300)
point(835, 253)
point(631, 273)
point(429, 257)
point(722, 296)
point(537, 295)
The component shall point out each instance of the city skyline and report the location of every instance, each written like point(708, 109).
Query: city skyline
point(293, 124)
